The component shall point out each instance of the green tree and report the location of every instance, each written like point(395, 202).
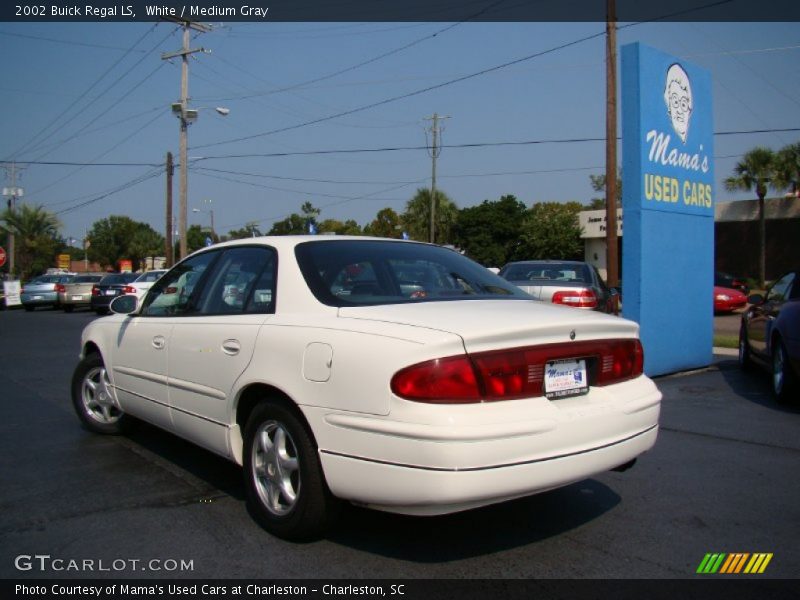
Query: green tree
point(550, 230)
point(755, 172)
point(787, 168)
point(296, 224)
point(598, 183)
point(195, 238)
point(249, 230)
point(387, 223)
point(490, 232)
point(119, 237)
point(349, 227)
point(417, 216)
point(35, 236)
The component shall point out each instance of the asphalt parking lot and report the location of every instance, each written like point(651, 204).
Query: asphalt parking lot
point(721, 478)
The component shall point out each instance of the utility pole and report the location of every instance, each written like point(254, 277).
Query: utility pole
point(186, 116)
point(12, 193)
point(612, 254)
point(168, 248)
point(435, 151)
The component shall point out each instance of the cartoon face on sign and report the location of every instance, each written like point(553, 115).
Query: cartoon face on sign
point(678, 97)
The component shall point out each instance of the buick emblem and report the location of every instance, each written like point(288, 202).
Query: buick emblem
point(572, 334)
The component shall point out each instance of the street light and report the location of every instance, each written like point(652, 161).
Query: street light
point(209, 210)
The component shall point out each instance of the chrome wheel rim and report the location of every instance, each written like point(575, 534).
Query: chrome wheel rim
point(98, 400)
point(275, 468)
point(777, 370)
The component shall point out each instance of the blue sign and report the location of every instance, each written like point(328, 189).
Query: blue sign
point(312, 229)
point(668, 203)
point(209, 241)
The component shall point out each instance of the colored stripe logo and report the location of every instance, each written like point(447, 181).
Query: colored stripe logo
point(734, 563)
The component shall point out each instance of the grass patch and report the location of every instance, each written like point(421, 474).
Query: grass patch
point(726, 341)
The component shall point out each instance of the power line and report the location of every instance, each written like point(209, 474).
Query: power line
point(133, 182)
point(67, 42)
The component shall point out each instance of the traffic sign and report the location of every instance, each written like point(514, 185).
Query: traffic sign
point(2, 256)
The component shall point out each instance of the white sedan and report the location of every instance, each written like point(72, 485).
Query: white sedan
point(396, 375)
point(139, 286)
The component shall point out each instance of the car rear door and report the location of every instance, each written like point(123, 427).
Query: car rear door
point(212, 344)
point(763, 315)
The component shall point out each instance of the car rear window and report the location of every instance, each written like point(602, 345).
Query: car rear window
point(87, 279)
point(355, 272)
point(564, 272)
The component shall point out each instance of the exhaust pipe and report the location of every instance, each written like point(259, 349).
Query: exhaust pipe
point(625, 466)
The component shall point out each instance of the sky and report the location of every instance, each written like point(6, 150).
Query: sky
point(89, 93)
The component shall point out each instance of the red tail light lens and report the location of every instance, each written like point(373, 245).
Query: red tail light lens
point(60, 288)
point(513, 374)
point(129, 289)
point(95, 291)
point(578, 298)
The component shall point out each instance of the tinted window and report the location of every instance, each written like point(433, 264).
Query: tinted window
point(348, 273)
point(87, 279)
point(567, 272)
point(176, 292)
point(243, 280)
point(779, 292)
point(118, 278)
point(150, 276)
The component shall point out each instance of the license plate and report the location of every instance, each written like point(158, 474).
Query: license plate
point(111, 292)
point(564, 378)
point(78, 298)
point(38, 297)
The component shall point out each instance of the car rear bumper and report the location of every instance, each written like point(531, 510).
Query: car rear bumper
point(415, 490)
point(39, 299)
point(483, 454)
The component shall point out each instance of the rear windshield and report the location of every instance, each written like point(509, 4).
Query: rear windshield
point(150, 276)
point(354, 272)
point(565, 272)
point(52, 279)
point(118, 278)
point(87, 279)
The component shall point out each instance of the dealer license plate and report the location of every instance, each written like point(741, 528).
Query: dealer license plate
point(38, 297)
point(564, 378)
point(78, 298)
point(111, 292)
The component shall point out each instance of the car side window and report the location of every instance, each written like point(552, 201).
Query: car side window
point(242, 281)
point(779, 292)
point(176, 292)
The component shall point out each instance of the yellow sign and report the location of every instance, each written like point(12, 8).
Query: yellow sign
point(64, 261)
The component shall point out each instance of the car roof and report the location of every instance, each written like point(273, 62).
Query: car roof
point(288, 242)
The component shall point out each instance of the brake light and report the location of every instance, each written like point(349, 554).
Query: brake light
point(129, 289)
point(513, 374)
point(578, 298)
point(60, 288)
point(95, 290)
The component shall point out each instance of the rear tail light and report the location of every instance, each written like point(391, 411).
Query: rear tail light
point(60, 288)
point(578, 298)
point(513, 374)
point(95, 290)
point(129, 289)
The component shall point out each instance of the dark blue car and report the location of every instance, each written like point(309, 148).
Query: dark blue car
point(770, 335)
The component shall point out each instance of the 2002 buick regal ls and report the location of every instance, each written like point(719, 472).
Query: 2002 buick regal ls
point(392, 374)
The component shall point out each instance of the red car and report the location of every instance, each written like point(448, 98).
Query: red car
point(728, 299)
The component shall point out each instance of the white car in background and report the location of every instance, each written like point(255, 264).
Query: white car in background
point(397, 375)
point(144, 282)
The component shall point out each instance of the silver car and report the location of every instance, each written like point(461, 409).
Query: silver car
point(41, 291)
point(567, 282)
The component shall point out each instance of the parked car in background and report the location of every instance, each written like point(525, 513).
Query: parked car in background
point(415, 396)
point(108, 288)
point(143, 282)
point(728, 299)
point(729, 281)
point(770, 335)
point(572, 283)
point(78, 292)
point(41, 291)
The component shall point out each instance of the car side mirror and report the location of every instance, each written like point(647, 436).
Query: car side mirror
point(124, 305)
point(755, 299)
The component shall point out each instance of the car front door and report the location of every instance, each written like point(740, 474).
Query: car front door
point(141, 354)
point(763, 315)
point(212, 344)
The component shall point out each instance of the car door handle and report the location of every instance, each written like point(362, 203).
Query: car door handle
point(231, 347)
point(159, 342)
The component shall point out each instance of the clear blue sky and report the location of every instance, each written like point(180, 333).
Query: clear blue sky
point(49, 71)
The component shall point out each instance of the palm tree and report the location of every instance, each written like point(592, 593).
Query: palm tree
point(417, 216)
point(787, 170)
point(756, 171)
point(36, 233)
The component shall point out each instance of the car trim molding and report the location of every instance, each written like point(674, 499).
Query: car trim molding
point(175, 408)
point(492, 467)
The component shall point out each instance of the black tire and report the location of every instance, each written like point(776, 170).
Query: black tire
point(285, 486)
point(69, 308)
point(784, 383)
point(100, 311)
point(92, 400)
point(745, 360)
